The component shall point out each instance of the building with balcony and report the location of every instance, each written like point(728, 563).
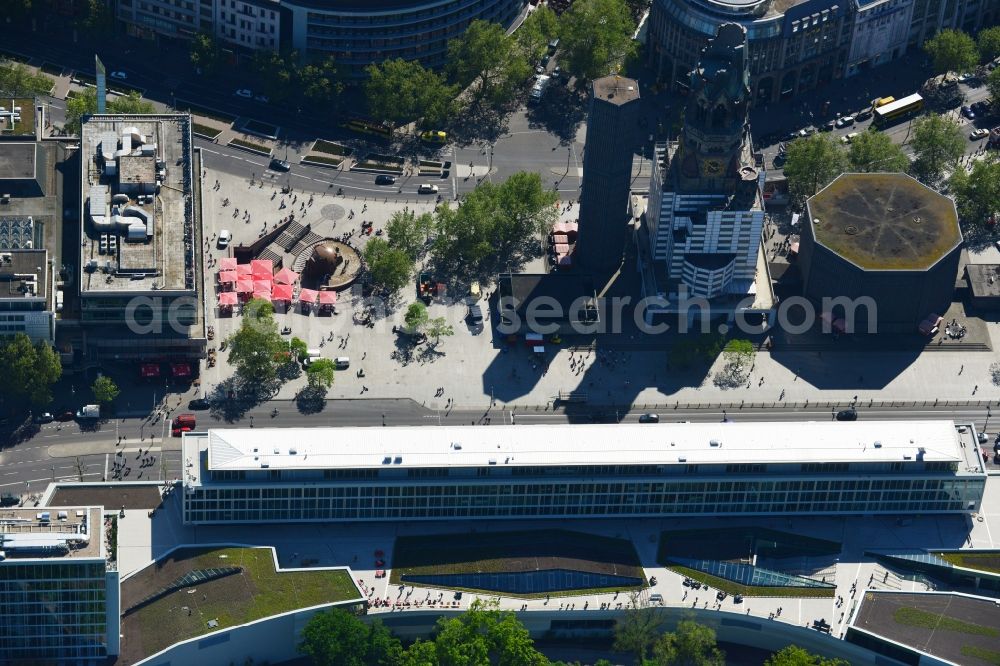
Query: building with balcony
point(140, 240)
point(58, 586)
point(281, 475)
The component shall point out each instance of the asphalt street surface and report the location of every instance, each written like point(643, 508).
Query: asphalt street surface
point(62, 451)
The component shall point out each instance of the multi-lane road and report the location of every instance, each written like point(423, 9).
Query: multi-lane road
point(63, 451)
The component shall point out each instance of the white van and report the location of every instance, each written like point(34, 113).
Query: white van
point(656, 599)
point(427, 188)
point(847, 138)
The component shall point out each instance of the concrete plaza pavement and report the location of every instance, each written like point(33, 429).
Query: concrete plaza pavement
point(480, 370)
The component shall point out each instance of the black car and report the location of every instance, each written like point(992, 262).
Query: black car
point(863, 115)
point(9, 500)
point(199, 404)
point(383, 179)
point(847, 415)
point(279, 165)
point(968, 113)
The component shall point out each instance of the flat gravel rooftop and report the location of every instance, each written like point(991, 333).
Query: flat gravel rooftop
point(884, 221)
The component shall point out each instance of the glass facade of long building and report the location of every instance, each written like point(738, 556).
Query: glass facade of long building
point(58, 595)
point(495, 490)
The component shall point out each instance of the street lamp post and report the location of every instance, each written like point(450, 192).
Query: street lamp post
point(988, 415)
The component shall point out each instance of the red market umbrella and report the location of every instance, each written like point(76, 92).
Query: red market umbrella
point(281, 292)
point(308, 296)
point(244, 286)
point(227, 264)
point(244, 270)
point(328, 297)
point(262, 268)
point(286, 276)
point(227, 298)
point(227, 277)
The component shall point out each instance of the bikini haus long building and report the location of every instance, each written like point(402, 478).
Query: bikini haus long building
point(580, 471)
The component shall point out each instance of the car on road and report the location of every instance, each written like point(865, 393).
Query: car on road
point(807, 131)
point(828, 126)
point(845, 121)
point(121, 76)
point(847, 138)
point(245, 93)
point(199, 404)
point(263, 99)
point(44, 417)
point(426, 188)
point(964, 77)
point(279, 165)
point(545, 60)
point(649, 417)
point(539, 69)
point(64, 416)
point(225, 238)
point(434, 136)
point(863, 115)
point(979, 133)
point(968, 112)
point(383, 179)
point(847, 415)
point(779, 160)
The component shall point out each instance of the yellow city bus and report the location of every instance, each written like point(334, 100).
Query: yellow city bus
point(898, 109)
point(368, 126)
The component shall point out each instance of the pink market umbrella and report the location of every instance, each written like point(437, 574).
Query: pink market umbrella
point(281, 292)
point(572, 226)
point(559, 228)
point(328, 297)
point(244, 270)
point(262, 294)
point(262, 268)
point(244, 286)
point(286, 276)
point(308, 296)
point(227, 264)
point(227, 298)
point(261, 285)
point(227, 277)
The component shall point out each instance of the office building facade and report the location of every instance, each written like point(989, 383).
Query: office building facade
point(588, 471)
point(58, 587)
point(797, 46)
point(607, 172)
point(355, 33)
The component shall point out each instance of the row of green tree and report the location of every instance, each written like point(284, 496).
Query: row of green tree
point(492, 65)
point(937, 143)
point(496, 226)
point(485, 635)
point(956, 51)
point(17, 80)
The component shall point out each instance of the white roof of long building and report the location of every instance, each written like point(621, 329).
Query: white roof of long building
point(621, 444)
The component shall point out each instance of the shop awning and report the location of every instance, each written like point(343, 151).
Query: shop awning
point(286, 276)
point(262, 268)
point(281, 292)
point(180, 369)
point(244, 286)
point(244, 270)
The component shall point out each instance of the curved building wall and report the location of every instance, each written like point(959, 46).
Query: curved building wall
point(790, 51)
point(359, 33)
